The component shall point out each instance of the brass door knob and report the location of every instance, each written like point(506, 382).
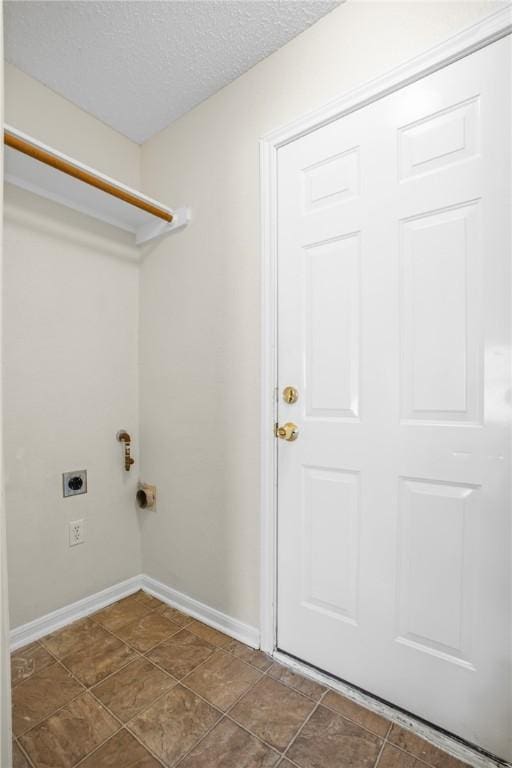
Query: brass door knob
point(288, 431)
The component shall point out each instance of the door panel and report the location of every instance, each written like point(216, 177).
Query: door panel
point(331, 289)
point(394, 325)
point(441, 319)
point(437, 543)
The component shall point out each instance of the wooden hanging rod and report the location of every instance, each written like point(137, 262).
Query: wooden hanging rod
point(38, 153)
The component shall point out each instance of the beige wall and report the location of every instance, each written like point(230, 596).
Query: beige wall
point(200, 293)
point(34, 109)
point(70, 295)
point(72, 283)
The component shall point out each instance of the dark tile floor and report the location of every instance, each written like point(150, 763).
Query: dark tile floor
point(141, 685)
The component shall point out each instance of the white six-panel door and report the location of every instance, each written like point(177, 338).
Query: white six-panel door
point(394, 538)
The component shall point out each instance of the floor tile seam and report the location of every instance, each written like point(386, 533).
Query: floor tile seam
point(85, 757)
point(55, 711)
point(145, 746)
point(171, 765)
point(21, 736)
point(17, 684)
point(328, 689)
point(354, 722)
point(142, 653)
point(215, 649)
point(415, 757)
point(186, 615)
point(179, 681)
point(252, 669)
point(254, 735)
point(61, 661)
point(85, 690)
point(84, 645)
point(224, 712)
point(89, 687)
point(220, 712)
point(204, 736)
point(118, 719)
point(54, 657)
point(294, 738)
point(121, 728)
point(104, 706)
point(140, 711)
point(134, 661)
point(161, 696)
point(358, 725)
point(254, 666)
point(24, 752)
point(226, 716)
point(242, 727)
point(209, 641)
point(187, 627)
point(132, 621)
point(229, 714)
point(381, 750)
point(296, 690)
point(174, 635)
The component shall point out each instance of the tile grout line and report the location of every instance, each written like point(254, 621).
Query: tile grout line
point(86, 690)
point(216, 648)
point(89, 690)
point(85, 757)
point(119, 730)
point(142, 655)
point(109, 632)
point(103, 679)
point(328, 689)
point(331, 709)
point(145, 746)
point(55, 711)
point(24, 753)
point(217, 721)
point(419, 759)
point(161, 696)
point(225, 715)
point(306, 721)
point(179, 681)
point(381, 750)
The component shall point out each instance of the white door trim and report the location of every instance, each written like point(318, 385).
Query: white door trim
point(465, 42)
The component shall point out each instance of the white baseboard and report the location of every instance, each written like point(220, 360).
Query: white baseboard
point(33, 630)
point(211, 616)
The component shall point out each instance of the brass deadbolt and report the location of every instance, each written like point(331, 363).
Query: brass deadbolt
point(290, 395)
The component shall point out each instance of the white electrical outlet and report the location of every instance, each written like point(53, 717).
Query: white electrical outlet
point(76, 533)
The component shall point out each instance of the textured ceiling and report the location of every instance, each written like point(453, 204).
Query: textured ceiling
point(138, 65)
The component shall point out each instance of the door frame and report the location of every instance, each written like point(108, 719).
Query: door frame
point(470, 39)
